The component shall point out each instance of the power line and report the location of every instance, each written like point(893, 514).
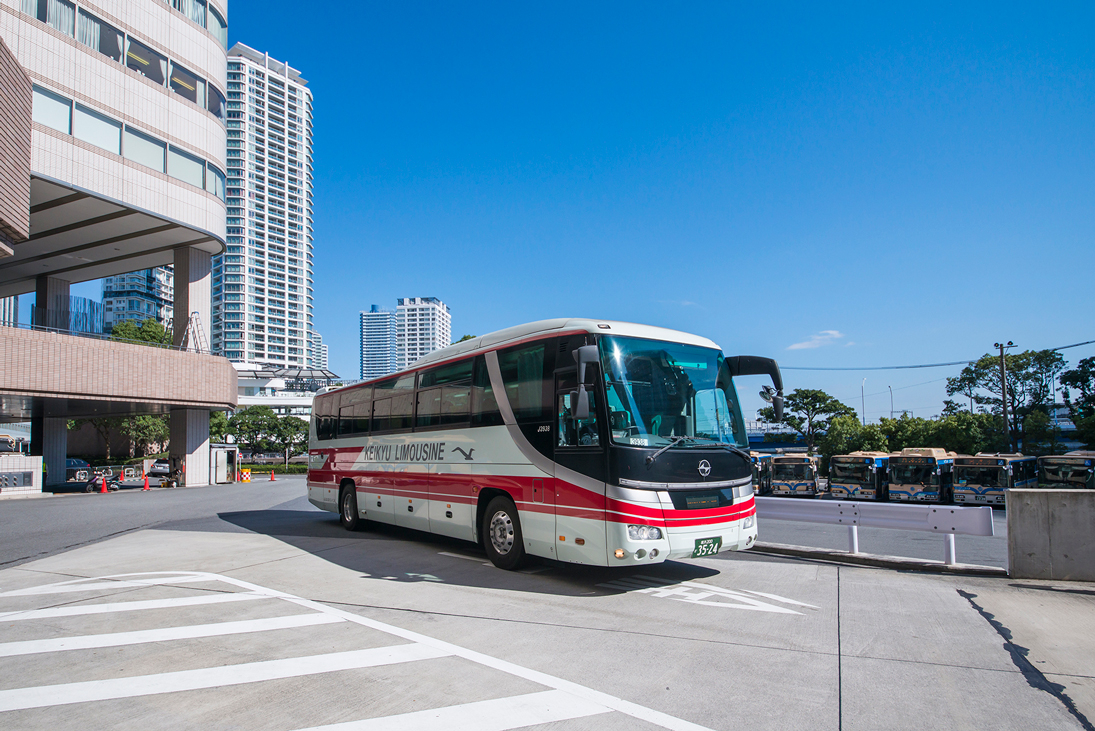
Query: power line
point(910, 367)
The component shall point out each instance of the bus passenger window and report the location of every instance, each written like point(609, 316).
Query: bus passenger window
point(573, 432)
point(484, 409)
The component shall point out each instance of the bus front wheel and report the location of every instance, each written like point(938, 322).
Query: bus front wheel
point(501, 532)
point(347, 514)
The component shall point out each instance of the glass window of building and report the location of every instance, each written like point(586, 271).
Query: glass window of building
point(144, 60)
point(216, 103)
point(145, 150)
point(187, 85)
point(185, 167)
point(57, 14)
point(52, 110)
point(98, 130)
point(218, 27)
point(96, 34)
point(214, 182)
point(193, 9)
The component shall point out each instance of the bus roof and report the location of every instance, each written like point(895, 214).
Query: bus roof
point(861, 454)
point(510, 335)
point(925, 452)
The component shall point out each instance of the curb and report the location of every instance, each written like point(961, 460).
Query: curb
point(24, 495)
point(885, 562)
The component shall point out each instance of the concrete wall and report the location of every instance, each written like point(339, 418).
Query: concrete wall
point(15, 112)
point(52, 365)
point(1051, 534)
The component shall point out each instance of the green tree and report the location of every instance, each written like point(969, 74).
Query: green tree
point(908, 431)
point(809, 412)
point(1030, 377)
point(254, 428)
point(1079, 386)
point(144, 431)
point(1042, 436)
point(103, 426)
point(149, 331)
point(291, 436)
point(467, 337)
point(846, 435)
point(218, 427)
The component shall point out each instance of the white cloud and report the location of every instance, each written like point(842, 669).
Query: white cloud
point(825, 337)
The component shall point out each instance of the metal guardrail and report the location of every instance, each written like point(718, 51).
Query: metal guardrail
point(950, 520)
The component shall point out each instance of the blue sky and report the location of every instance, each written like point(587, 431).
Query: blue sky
point(878, 185)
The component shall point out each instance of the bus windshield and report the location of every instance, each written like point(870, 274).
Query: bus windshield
point(660, 390)
point(792, 471)
point(984, 476)
point(913, 474)
point(848, 472)
point(1073, 475)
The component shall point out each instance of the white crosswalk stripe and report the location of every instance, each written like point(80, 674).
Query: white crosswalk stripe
point(119, 639)
point(699, 593)
point(500, 714)
point(560, 702)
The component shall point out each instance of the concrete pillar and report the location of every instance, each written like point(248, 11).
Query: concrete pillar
point(49, 440)
point(190, 445)
point(193, 277)
point(51, 303)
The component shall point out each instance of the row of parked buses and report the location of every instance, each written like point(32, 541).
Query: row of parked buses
point(922, 475)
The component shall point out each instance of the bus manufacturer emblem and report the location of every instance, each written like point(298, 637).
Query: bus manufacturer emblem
point(704, 468)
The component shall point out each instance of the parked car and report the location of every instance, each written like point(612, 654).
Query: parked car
point(160, 468)
point(76, 470)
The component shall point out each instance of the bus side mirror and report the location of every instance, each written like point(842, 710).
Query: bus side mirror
point(752, 365)
point(775, 398)
point(583, 356)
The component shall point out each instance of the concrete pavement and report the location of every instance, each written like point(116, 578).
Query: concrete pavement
point(376, 626)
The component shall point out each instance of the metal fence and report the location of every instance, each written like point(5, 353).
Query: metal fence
point(949, 520)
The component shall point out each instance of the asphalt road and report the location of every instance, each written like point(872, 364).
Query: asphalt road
point(242, 607)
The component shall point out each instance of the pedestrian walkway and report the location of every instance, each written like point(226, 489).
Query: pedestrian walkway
point(66, 647)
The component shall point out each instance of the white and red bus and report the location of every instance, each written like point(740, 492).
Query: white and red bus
point(594, 442)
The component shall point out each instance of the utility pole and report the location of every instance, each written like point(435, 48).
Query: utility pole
point(891, 400)
point(1004, 392)
point(863, 402)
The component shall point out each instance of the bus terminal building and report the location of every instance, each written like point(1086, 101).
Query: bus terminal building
point(112, 160)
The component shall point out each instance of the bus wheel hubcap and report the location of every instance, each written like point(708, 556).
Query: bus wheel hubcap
point(501, 532)
point(347, 512)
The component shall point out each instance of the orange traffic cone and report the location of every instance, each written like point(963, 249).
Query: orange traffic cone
point(145, 483)
point(103, 490)
point(272, 476)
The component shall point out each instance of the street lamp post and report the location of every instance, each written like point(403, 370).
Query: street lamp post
point(891, 400)
point(1004, 392)
point(863, 403)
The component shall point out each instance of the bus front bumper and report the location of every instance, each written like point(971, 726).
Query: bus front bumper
point(686, 542)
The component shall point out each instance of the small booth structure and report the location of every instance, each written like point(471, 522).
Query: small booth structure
point(223, 459)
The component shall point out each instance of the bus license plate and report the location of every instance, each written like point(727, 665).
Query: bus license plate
point(706, 547)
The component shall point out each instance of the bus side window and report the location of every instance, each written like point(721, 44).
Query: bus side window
point(484, 406)
point(528, 391)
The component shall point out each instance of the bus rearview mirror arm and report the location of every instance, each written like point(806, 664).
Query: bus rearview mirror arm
point(755, 365)
point(583, 356)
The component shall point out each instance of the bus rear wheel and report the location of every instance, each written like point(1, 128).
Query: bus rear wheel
point(348, 515)
point(501, 531)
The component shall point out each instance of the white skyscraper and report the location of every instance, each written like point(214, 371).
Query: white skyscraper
point(423, 325)
point(262, 286)
point(319, 352)
point(378, 346)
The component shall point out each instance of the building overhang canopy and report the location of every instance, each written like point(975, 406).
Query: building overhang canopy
point(78, 236)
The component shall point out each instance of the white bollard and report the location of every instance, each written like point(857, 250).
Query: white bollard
point(853, 539)
point(948, 557)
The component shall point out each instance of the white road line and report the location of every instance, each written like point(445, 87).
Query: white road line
point(500, 714)
point(778, 598)
point(253, 672)
point(118, 639)
point(459, 555)
point(96, 585)
point(81, 609)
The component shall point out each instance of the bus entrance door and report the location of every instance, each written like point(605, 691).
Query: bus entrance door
point(579, 475)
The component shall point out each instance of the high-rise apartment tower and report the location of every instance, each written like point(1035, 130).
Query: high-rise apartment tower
point(262, 286)
point(394, 339)
point(148, 293)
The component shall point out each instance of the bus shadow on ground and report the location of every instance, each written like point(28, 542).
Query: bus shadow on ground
point(392, 553)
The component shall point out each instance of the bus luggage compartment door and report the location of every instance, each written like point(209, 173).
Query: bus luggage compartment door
point(412, 497)
point(452, 501)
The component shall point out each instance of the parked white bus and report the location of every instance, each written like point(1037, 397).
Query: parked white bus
point(579, 440)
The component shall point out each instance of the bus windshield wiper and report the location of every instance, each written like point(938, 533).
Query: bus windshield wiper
point(730, 447)
point(673, 441)
point(677, 440)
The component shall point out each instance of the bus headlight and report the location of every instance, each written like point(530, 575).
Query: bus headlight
point(748, 522)
point(644, 533)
